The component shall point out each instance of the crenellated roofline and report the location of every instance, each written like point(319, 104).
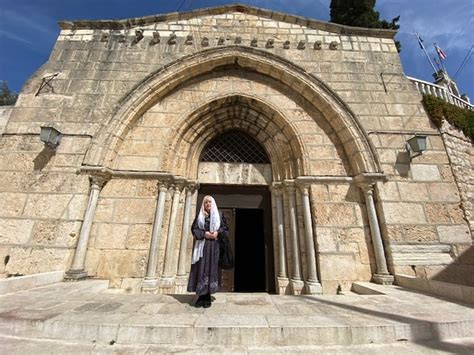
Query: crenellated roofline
point(120, 24)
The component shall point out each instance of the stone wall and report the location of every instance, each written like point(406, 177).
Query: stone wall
point(98, 67)
point(5, 112)
point(42, 202)
point(342, 235)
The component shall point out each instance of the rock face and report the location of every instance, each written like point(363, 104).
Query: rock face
point(138, 102)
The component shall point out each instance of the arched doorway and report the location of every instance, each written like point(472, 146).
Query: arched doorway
point(246, 207)
point(315, 144)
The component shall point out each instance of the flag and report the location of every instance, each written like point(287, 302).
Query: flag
point(440, 52)
point(420, 40)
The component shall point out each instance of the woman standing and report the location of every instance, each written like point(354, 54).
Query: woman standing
point(208, 226)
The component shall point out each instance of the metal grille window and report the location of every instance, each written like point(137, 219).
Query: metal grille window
point(234, 147)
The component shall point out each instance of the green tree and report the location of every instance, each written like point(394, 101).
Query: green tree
point(361, 13)
point(7, 97)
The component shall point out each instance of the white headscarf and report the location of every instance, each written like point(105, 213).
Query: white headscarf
point(214, 224)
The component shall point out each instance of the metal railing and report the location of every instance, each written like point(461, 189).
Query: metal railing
point(441, 92)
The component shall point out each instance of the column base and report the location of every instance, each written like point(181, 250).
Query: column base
point(296, 286)
point(313, 288)
point(149, 285)
point(75, 275)
point(181, 285)
point(167, 284)
point(282, 285)
point(383, 279)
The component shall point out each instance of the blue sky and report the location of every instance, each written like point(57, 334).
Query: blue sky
point(28, 29)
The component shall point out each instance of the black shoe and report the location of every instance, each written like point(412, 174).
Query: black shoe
point(199, 303)
point(206, 304)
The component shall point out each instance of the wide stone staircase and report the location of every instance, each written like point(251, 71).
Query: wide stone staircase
point(87, 317)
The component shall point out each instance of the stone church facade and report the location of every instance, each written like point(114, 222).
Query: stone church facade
point(148, 108)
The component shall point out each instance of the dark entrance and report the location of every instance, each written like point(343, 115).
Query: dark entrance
point(247, 210)
point(249, 273)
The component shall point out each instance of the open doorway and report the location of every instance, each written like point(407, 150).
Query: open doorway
point(250, 271)
point(247, 210)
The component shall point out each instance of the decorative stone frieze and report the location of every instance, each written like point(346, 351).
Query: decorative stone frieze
point(156, 38)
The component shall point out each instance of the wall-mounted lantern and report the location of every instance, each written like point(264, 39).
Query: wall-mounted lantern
point(416, 145)
point(50, 136)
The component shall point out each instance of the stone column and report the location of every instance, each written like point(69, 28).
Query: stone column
point(167, 279)
point(182, 279)
point(186, 230)
point(313, 286)
point(282, 277)
point(77, 271)
point(296, 282)
point(150, 282)
point(382, 276)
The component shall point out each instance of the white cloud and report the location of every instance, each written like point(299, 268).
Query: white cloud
point(14, 37)
point(13, 19)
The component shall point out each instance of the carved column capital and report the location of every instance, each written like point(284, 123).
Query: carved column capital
point(191, 187)
point(179, 183)
point(99, 180)
point(277, 188)
point(303, 188)
point(367, 181)
point(289, 185)
point(367, 187)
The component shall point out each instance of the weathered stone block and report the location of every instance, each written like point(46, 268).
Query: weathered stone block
point(336, 214)
point(15, 231)
point(425, 172)
point(104, 210)
point(410, 191)
point(134, 210)
point(326, 240)
point(444, 192)
point(139, 236)
point(122, 263)
point(27, 260)
point(420, 234)
point(403, 213)
point(76, 207)
point(119, 188)
point(11, 204)
point(455, 234)
point(389, 191)
point(444, 213)
point(57, 233)
point(337, 267)
point(111, 236)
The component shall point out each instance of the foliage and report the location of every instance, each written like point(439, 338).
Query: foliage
point(438, 109)
point(7, 97)
point(361, 13)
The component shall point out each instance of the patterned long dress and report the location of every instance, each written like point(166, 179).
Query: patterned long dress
point(205, 274)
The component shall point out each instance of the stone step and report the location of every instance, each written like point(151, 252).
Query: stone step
point(18, 345)
point(68, 312)
point(227, 331)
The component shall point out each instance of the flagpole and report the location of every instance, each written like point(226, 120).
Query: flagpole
point(420, 42)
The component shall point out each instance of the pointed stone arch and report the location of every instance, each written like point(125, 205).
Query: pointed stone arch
point(257, 118)
point(358, 148)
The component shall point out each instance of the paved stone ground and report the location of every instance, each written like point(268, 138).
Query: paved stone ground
point(85, 317)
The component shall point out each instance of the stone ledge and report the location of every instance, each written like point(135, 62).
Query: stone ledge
point(22, 283)
point(225, 9)
point(439, 288)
